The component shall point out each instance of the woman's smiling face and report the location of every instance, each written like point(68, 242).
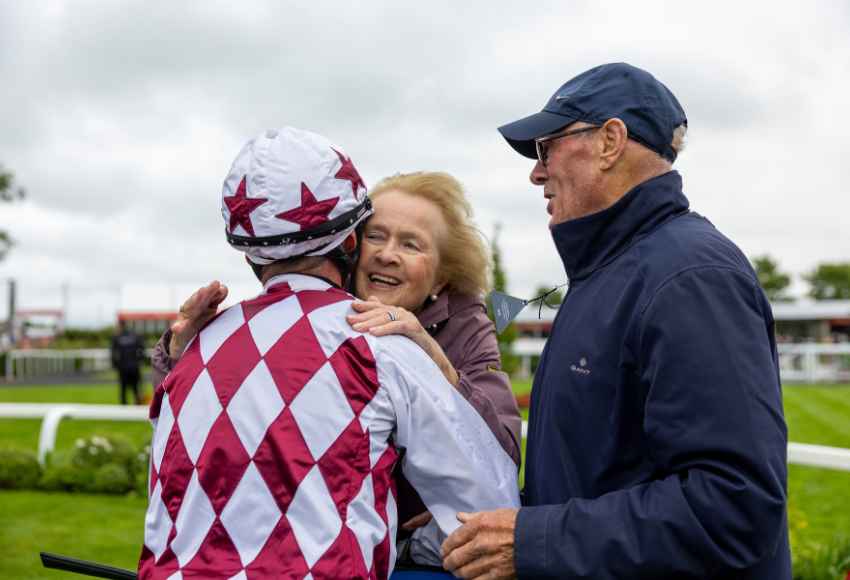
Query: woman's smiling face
point(399, 253)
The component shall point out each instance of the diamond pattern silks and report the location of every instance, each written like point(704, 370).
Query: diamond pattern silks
point(260, 461)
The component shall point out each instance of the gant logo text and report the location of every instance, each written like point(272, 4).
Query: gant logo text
point(581, 367)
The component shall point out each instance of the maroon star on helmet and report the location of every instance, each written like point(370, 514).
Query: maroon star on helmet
point(347, 171)
point(241, 206)
point(312, 213)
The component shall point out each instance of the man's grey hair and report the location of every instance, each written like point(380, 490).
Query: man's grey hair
point(678, 142)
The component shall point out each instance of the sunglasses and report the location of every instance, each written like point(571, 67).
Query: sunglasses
point(542, 143)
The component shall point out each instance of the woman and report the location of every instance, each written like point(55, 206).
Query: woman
point(422, 272)
point(424, 268)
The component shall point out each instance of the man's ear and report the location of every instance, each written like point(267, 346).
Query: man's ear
point(614, 134)
point(350, 243)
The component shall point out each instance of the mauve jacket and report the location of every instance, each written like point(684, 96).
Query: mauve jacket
point(459, 324)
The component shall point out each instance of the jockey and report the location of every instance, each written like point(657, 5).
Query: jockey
point(276, 434)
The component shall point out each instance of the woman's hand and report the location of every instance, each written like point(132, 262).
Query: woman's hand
point(375, 317)
point(194, 313)
point(379, 319)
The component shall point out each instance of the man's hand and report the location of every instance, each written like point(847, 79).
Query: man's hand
point(483, 547)
point(195, 312)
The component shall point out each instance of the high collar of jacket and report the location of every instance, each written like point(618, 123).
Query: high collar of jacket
point(447, 303)
point(590, 242)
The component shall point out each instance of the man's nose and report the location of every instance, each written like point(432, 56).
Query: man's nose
point(538, 174)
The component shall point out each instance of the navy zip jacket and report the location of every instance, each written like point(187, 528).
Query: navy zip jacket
point(657, 443)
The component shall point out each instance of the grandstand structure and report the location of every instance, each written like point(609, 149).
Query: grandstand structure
point(147, 322)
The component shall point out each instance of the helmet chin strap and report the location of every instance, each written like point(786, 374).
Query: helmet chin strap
point(257, 269)
point(346, 261)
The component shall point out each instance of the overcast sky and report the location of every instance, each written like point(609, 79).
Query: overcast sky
point(121, 120)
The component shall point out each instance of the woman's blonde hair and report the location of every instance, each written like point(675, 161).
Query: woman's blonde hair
point(464, 260)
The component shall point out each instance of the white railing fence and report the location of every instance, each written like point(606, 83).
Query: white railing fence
point(22, 365)
point(804, 362)
point(52, 414)
point(812, 362)
point(32, 364)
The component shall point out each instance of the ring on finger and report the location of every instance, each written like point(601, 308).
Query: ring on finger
point(391, 315)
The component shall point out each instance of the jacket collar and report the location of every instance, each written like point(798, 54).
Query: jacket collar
point(586, 244)
point(447, 304)
point(299, 281)
point(434, 312)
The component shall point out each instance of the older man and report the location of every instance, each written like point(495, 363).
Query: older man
point(657, 441)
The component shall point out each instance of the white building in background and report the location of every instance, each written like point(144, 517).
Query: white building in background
point(813, 339)
point(812, 321)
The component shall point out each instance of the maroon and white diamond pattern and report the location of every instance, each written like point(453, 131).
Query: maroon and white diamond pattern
point(244, 461)
point(322, 410)
point(254, 407)
point(313, 516)
point(250, 515)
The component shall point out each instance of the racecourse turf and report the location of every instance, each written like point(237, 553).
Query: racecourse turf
point(109, 529)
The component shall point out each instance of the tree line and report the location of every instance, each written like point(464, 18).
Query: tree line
point(828, 281)
point(9, 192)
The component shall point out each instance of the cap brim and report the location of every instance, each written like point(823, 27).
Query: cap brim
point(521, 134)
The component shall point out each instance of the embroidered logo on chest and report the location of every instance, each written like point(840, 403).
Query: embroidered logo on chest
point(581, 367)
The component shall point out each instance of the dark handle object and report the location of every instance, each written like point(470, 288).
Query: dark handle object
point(85, 567)
point(89, 568)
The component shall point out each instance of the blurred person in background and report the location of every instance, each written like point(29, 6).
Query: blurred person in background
point(128, 352)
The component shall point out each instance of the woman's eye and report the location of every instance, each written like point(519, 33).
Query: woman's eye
point(411, 245)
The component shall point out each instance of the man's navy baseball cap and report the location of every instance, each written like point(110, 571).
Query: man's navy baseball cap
point(648, 108)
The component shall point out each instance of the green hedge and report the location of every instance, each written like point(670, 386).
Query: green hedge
point(18, 469)
point(108, 465)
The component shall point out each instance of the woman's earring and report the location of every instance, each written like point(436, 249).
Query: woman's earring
point(434, 297)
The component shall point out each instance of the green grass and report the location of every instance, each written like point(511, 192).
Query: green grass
point(23, 433)
point(93, 527)
point(102, 394)
point(109, 529)
point(818, 414)
point(521, 387)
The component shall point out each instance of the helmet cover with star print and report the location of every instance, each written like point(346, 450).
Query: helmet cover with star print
point(291, 193)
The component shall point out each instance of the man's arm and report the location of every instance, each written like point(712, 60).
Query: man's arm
point(113, 352)
point(452, 458)
point(140, 349)
point(714, 427)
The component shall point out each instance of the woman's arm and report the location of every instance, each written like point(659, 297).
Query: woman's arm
point(482, 382)
point(194, 314)
point(161, 362)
